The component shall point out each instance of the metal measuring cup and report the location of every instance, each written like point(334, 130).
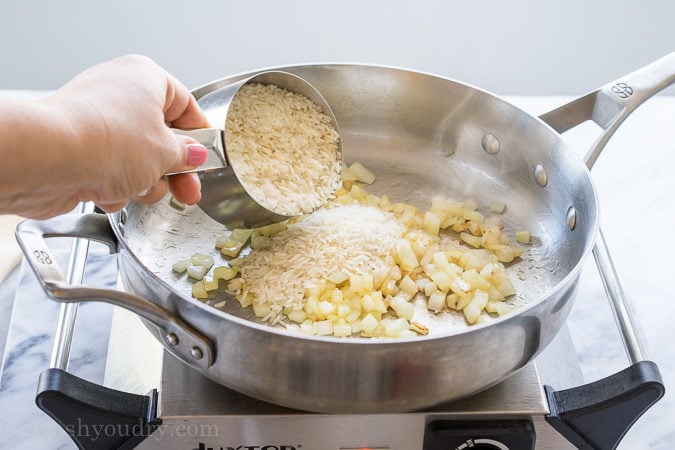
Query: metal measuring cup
point(224, 198)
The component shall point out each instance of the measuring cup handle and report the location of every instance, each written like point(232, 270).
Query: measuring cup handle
point(213, 140)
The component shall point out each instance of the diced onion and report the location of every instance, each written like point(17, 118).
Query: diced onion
point(180, 266)
point(463, 275)
point(197, 272)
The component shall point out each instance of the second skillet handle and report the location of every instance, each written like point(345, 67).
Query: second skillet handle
point(181, 338)
point(610, 105)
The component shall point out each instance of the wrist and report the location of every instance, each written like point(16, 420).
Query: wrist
point(34, 168)
point(71, 131)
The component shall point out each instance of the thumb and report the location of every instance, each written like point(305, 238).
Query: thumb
point(191, 154)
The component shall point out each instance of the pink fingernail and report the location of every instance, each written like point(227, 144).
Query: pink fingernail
point(197, 154)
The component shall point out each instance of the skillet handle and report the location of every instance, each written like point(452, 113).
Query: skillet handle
point(598, 415)
point(181, 338)
point(610, 105)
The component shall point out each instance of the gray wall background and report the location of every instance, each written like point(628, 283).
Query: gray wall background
point(508, 47)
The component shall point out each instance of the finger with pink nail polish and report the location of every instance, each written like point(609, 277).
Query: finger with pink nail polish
point(197, 155)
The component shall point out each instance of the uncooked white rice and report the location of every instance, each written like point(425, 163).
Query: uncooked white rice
point(283, 149)
point(354, 239)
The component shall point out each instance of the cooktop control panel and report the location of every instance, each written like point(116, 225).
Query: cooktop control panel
point(441, 434)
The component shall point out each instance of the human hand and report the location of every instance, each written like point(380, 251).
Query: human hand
point(133, 102)
point(103, 137)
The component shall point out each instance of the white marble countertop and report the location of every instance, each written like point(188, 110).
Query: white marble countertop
point(635, 181)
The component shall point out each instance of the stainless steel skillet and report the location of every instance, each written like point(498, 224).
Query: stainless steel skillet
point(422, 135)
